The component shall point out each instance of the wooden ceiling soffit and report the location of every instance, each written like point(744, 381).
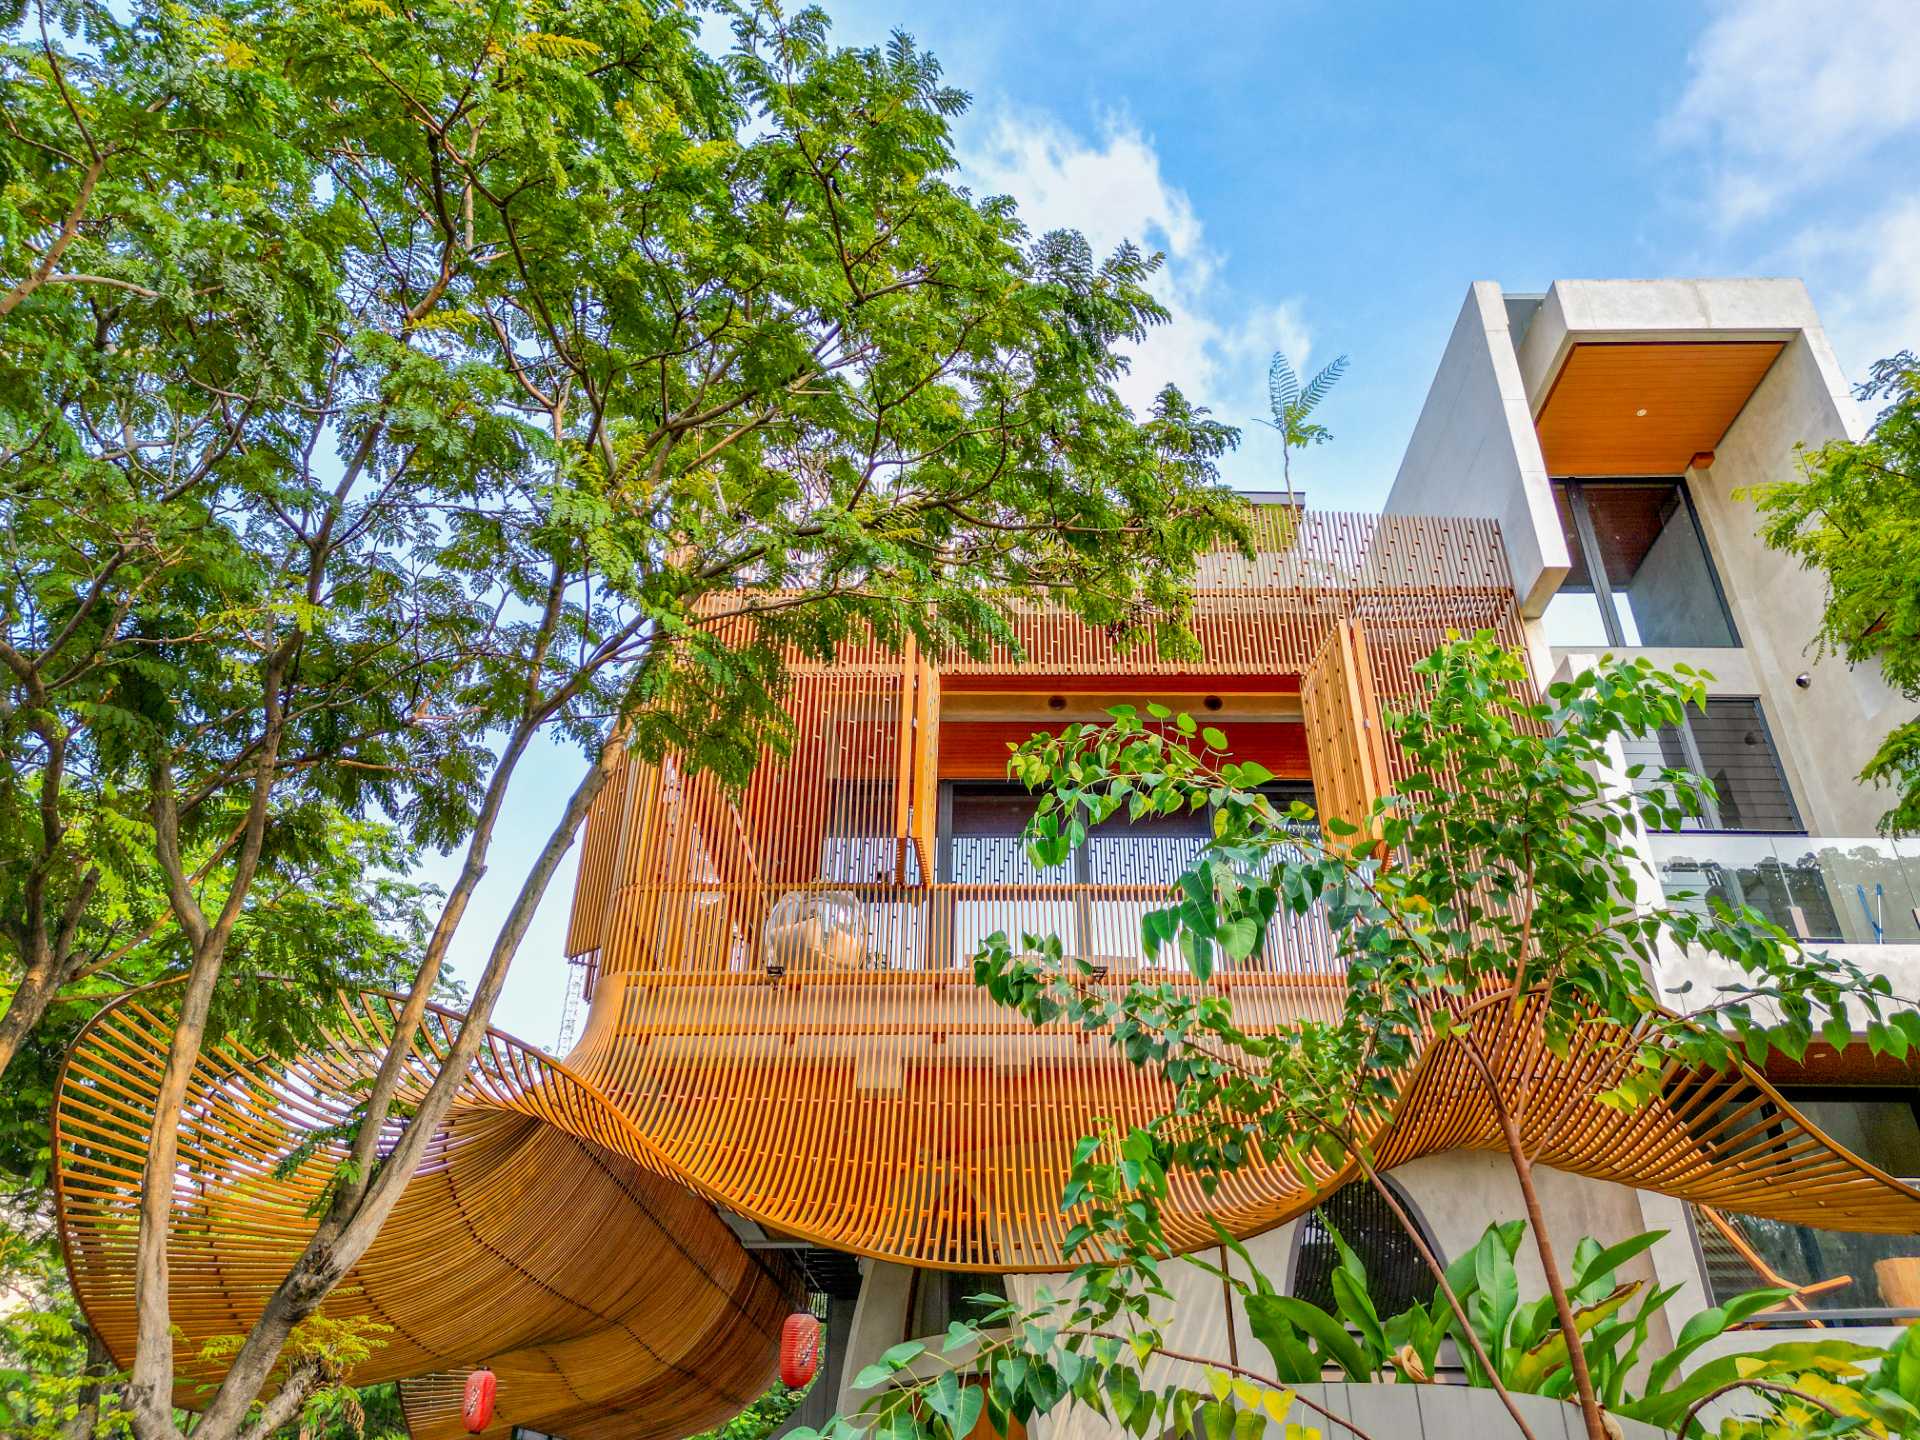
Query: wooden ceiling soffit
point(1647, 407)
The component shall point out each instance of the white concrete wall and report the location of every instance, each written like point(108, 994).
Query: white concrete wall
point(1824, 733)
point(1827, 731)
point(1474, 450)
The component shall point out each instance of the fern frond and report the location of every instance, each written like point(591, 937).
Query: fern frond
point(1283, 387)
point(1318, 387)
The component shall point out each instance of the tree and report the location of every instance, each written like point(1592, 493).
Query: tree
point(1292, 408)
point(146, 349)
point(613, 373)
point(1510, 914)
point(1854, 516)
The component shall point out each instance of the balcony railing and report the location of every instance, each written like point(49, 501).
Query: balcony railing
point(1838, 1277)
point(849, 931)
point(1855, 891)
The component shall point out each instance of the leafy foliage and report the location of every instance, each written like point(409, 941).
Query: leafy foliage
point(486, 365)
point(1854, 517)
point(53, 1382)
point(1511, 885)
point(1511, 876)
point(1020, 1362)
point(384, 384)
point(1292, 406)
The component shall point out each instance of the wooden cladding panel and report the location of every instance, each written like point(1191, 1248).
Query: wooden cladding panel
point(1344, 734)
point(540, 1235)
point(1647, 408)
point(924, 812)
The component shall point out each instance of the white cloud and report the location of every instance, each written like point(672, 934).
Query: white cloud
point(1807, 122)
point(1875, 309)
point(1784, 95)
point(1111, 188)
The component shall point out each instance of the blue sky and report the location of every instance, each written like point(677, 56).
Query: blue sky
point(1330, 177)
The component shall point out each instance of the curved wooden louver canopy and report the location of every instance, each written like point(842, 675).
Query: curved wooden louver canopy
point(784, 1024)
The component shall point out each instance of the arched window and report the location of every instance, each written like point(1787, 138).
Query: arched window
point(1396, 1275)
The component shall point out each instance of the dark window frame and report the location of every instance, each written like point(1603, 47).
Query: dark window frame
point(1576, 487)
point(1690, 747)
point(1407, 1203)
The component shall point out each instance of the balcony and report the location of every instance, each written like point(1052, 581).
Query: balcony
point(1822, 889)
point(1837, 1277)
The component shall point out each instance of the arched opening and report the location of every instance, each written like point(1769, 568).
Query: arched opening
point(1396, 1275)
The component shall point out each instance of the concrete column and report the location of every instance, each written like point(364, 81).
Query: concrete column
point(878, 1323)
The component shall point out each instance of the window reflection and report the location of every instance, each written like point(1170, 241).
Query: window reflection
point(1841, 1270)
point(1640, 573)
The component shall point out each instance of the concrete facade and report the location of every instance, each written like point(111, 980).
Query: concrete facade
point(1474, 450)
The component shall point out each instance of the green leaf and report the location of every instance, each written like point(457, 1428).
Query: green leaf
point(1605, 1262)
point(1240, 938)
point(967, 1412)
point(1263, 1311)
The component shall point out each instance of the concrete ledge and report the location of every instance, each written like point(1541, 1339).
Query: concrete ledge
point(1445, 1412)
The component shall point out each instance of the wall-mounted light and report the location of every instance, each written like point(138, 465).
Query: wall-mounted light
point(1641, 411)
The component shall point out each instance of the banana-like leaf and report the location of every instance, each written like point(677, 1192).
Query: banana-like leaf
point(1294, 1362)
point(1327, 1332)
point(1530, 1367)
point(1705, 1326)
point(1599, 1268)
point(1832, 1357)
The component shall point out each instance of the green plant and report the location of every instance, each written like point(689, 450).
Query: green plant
point(1292, 406)
point(1520, 1340)
point(1853, 516)
point(1824, 1394)
point(1510, 879)
point(387, 388)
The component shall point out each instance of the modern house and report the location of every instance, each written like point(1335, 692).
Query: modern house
point(788, 1086)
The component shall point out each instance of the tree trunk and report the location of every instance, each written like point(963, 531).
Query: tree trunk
point(26, 1006)
point(86, 1416)
point(336, 1247)
point(1543, 1243)
point(150, 1391)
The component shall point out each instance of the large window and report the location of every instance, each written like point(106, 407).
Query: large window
point(1730, 744)
point(984, 821)
point(1846, 1271)
point(1094, 901)
point(1640, 572)
point(1397, 1276)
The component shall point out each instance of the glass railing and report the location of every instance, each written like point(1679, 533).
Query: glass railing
point(1820, 888)
point(1833, 1273)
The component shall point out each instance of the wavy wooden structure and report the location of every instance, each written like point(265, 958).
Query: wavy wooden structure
point(783, 1024)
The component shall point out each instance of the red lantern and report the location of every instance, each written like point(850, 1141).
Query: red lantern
point(799, 1349)
point(476, 1409)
